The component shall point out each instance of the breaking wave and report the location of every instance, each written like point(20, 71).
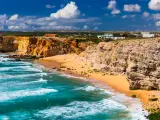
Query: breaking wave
point(6, 96)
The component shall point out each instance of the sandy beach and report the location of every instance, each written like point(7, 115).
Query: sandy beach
point(76, 65)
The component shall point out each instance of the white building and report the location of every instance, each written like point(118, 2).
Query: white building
point(110, 36)
point(105, 36)
point(147, 35)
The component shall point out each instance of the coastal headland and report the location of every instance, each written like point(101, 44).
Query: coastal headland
point(130, 66)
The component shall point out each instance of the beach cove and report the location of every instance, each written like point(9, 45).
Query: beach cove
point(60, 96)
point(77, 66)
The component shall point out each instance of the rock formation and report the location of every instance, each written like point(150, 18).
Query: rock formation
point(8, 44)
point(40, 46)
point(138, 59)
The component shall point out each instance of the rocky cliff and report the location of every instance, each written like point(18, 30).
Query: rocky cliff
point(138, 59)
point(8, 44)
point(40, 46)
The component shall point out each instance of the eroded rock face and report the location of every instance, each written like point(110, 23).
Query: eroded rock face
point(138, 59)
point(8, 44)
point(49, 47)
point(40, 46)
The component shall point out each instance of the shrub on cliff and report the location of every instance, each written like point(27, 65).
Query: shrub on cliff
point(154, 116)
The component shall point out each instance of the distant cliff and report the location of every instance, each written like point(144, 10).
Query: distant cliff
point(39, 46)
point(138, 59)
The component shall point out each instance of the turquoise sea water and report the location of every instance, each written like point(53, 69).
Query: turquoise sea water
point(28, 92)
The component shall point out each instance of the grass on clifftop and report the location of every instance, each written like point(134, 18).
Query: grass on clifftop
point(154, 116)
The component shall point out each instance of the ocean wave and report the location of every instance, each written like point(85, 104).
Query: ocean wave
point(133, 104)
point(3, 59)
point(18, 63)
point(6, 96)
point(6, 76)
point(72, 76)
point(80, 109)
point(92, 88)
point(41, 80)
point(20, 68)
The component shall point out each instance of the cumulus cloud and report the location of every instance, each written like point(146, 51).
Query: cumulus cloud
point(146, 14)
point(132, 8)
point(14, 17)
point(3, 19)
point(69, 11)
point(112, 6)
point(115, 11)
point(66, 18)
point(154, 4)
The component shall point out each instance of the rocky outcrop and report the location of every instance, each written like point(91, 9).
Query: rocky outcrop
point(8, 44)
point(138, 59)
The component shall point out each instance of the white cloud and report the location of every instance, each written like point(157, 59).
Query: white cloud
point(50, 6)
point(124, 16)
point(157, 24)
point(14, 17)
point(85, 27)
point(154, 4)
point(115, 11)
point(17, 27)
point(156, 16)
point(112, 6)
point(132, 8)
point(146, 14)
point(128, 16)
point(69, 11)
point(3, 19)
point(67, 19)
point(1, 27)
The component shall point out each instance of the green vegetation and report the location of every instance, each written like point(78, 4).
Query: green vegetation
point(133, 96)
point(133, 88)
point(154, 116)
point(63, 66)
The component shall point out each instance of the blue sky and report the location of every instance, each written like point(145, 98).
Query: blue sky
point(117, 15)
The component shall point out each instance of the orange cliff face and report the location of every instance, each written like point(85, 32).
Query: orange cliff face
point(40, 46)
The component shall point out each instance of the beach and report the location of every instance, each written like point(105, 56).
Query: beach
point(31, 91)
point(76, 65)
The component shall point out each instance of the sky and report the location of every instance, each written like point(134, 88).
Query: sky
point(98, 15)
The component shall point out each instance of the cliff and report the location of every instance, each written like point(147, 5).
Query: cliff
point(40, 46)
point(138, 59)
point(8, 44)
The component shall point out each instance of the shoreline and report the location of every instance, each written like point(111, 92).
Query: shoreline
point(69, 64)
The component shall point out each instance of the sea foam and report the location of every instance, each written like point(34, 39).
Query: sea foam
point(5, 96)
point(78, 109)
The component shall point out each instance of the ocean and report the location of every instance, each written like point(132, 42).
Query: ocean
point(30, 92)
